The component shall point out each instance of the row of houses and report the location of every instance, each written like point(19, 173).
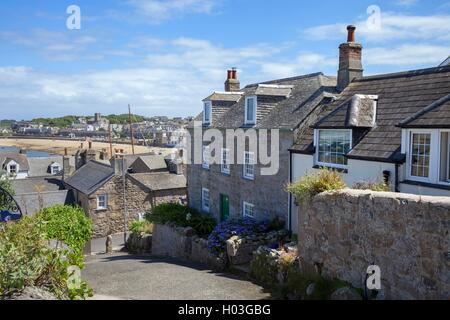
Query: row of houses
point(113, 190)
point(390, 127)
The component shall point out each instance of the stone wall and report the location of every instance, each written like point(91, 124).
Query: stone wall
point(266, 192)
point(407, 236)
point(169, 241)
point(112, 219)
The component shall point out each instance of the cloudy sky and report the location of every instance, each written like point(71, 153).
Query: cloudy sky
point(164, 56)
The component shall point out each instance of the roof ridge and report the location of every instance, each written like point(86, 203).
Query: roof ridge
point(411, 73)
point(425, 110)
point(305, 76)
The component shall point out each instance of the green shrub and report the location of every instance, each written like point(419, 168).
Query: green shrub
point(26, 259)
point(182, 216)
point(276, 224)
point(141, 227)
point(5, 183)
point(374, 186)
point(66, 225)
point(312, 184)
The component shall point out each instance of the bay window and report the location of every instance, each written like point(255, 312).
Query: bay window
point(332, 146)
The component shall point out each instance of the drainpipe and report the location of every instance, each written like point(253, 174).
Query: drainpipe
point(290, 195)
point(397, 188)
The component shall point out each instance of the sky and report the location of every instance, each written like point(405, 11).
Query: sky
point(164, 56)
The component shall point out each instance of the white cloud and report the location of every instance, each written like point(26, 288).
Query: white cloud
point(393, 27)
point(405, 3)
point(159, 10)
point(406, 55)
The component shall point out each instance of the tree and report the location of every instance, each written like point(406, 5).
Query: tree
point(5, 184)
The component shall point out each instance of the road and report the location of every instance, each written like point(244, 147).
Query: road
point(129, 277)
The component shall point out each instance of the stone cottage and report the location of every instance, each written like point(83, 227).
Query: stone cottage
point(234, 186)
point(111, 196)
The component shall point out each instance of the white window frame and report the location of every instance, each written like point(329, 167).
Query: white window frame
point(246, 205)
point(206, 207)
point(316, 145)
point(447, 182)
point(206, 157)
point(433, 141)
point(255, 103)
point(207, 106)
point(55, 169)
point(246, 165)
point(16, 168)
point(225, 161)
point(105, 207)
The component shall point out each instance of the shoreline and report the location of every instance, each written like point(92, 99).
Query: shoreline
point(57, 145)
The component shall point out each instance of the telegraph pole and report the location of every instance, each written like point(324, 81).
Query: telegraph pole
point(131, 128)
point(110, 141)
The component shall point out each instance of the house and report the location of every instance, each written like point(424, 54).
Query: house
point(389, 128)
point(19, 166)
point(35, 194)
point(148, 163)
point(234, 185)
point(15, 164)
point(108, 193)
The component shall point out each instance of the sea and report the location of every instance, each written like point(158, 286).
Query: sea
point(30, 153)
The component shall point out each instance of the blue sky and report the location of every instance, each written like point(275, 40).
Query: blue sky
point(164, 57)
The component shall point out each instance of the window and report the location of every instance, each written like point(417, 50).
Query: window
point(207, 112)
point(445, 157)
point(206, 157)
point(55, 169)
point(225, 161)
point(420, 154)
point(250, 110)
point(12, 169)
point(205, 200)
point(102, 202)
point(249, 165)
point(248, 210)
point(333, 146)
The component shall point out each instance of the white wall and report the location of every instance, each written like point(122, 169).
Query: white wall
point(423, 191)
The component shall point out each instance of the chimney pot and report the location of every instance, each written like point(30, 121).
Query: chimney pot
point(351, 33)
point(232, 84)
point(234, 74)
point(230, 74)
point(66, 152)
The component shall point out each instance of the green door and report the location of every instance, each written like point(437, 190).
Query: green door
point(224, 207)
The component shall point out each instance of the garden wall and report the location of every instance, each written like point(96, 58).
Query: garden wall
point(407, 236)
point(182, 243)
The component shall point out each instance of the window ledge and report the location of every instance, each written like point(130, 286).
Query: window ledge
point(342, 170)
point(101, 210)
point(426, 184)
point(249, 178)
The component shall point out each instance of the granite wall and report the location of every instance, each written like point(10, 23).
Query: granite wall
point(407, 236)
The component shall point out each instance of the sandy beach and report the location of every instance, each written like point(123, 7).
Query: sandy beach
point(57, 146)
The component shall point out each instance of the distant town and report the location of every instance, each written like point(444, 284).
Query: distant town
point(158, 131)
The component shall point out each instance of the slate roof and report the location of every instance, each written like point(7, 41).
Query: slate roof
point(33, 185)
point(90, 177)
point(400, 96)
point(21, 159)
point(160, 181)
point(31, 203)
point(153, 162)
point(446, 62)
point(282, 104)
point(436, 115)
point(39, 166)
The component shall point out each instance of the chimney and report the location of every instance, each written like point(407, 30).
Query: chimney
point(67, 170)
point(232, 84)
point(118, 163)
point(350, 60)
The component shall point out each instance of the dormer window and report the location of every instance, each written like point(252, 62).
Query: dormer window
point(207, 112)
point(250, 110)
point(332, 146)
point(12, 169)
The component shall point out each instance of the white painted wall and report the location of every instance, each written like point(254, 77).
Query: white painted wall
point(423, 191)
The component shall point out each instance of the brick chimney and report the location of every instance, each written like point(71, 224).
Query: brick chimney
point(232, 84)
point(67, 169)
point(350, 60)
